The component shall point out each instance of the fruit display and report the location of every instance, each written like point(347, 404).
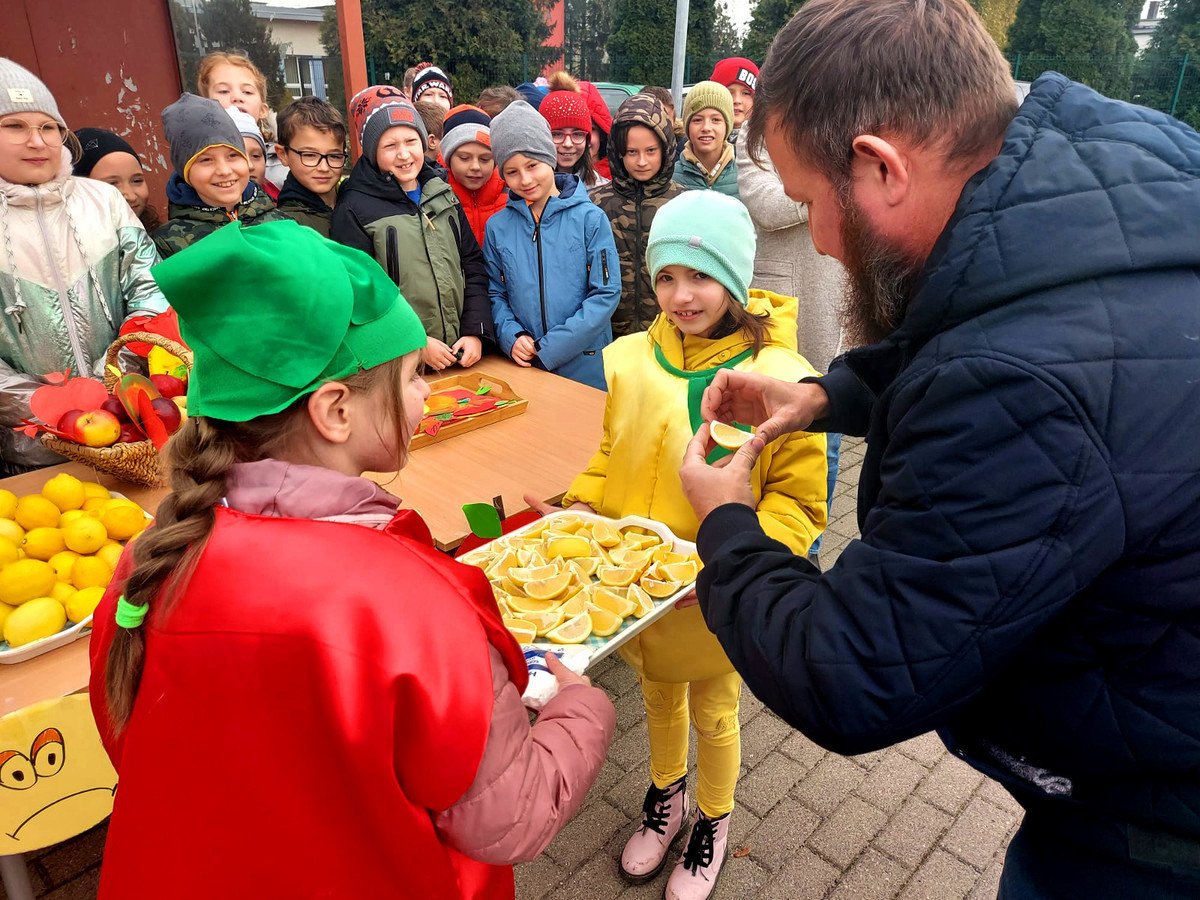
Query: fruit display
point(461, 403)
point(58, 551)
point(571, 578)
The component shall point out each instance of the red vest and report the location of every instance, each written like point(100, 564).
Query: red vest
point(319, 690)
point(482, 204)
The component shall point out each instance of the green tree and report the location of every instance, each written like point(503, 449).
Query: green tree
point(1088, 40)
point(335, 82)
point(727, 40)
point(643, 39)
point(477, 42)
point(231, 26)
point(997, 17)
point(1168, 73)
point(588, 25)
point(766, 19)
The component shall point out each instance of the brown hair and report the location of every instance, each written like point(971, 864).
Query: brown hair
point(409, 74)
point(311, 112)
point(661, 94)
point(739, 318)
point(433, 116)
point(217, 58)
point(925, 70)
point(201, 454)
point(494, 100)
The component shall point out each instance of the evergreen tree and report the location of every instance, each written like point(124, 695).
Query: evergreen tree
point(1088, 40)
point(997, 16)
point(727, 40)
point(335, 80)
point(588, 24)
point(642, 42)
point(1172, 63)
point(477, 42)
point(766, 19)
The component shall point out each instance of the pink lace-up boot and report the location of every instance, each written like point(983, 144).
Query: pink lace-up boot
point(664, 813)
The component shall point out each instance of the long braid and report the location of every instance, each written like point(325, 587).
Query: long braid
point(163, 556)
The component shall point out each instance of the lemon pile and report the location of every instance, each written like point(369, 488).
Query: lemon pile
point(58, 550)
point(567, 579)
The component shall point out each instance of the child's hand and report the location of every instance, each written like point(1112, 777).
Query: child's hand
point(544, 509)
point(688, 599)
point(437, 355)
point(564, 675)
point(471, 348)
point(524, 350)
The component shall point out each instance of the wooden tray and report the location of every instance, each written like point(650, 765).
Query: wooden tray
point(471, 382)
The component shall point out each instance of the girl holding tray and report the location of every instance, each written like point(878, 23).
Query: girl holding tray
point(701, 257)
point(287, 675)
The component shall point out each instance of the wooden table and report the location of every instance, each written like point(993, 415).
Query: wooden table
point(537, 452)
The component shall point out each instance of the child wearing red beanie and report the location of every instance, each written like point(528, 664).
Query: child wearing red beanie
point(740, 75)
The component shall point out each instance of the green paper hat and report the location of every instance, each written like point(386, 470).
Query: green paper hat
point(273, 311)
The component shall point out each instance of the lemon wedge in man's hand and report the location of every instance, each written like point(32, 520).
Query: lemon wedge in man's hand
point(727, 436)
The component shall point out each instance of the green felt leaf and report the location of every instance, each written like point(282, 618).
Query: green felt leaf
point(445, 417)
point(483, 389)
point(483, 520)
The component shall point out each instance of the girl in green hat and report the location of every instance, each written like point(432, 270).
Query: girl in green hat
point(284, 669)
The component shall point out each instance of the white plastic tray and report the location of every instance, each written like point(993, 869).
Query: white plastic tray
point(600, 647)
point(45, 645)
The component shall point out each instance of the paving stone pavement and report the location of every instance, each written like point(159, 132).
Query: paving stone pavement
point(910, 822)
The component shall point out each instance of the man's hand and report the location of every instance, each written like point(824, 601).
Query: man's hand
point(727, 481)
point(471, 348)
point(523, 350)
point(437, 355)
point(775, 407)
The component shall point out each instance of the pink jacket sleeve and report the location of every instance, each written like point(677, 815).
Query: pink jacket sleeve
point(532, 778)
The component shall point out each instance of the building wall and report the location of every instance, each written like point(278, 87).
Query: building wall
point(304, 38)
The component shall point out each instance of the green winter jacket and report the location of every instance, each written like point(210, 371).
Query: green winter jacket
point(299, 203)
point(631, 205)
point(691, 174)
point(190, 219)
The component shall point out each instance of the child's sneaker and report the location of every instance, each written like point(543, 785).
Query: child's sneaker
point(664, 813)
point(696, 874)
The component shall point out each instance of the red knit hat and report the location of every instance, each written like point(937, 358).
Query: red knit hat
point(566, 109)
point(736, 70)
point(601, 116)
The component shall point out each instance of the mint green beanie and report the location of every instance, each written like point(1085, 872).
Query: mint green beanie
point(706, 231)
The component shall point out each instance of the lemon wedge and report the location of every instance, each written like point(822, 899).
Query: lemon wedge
point(727, 436)
point(573, 631)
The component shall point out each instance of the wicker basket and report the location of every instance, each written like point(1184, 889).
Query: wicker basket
point(136, 462)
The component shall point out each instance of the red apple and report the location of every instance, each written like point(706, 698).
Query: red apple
point(130, 434)
point(168, 412)
point(169, 385)
point(67, 423)
point(114, 406)
point(94, 428)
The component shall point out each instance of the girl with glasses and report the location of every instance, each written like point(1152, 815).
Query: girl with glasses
point(565, 110)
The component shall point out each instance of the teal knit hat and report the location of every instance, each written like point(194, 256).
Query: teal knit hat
point(273, 311)
point(706, 231)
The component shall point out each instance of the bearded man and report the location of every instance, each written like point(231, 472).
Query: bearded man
point(1027, 286)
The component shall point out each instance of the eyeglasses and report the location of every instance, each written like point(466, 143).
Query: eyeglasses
point(312, 159)
point(18, 131)
point(570, 137)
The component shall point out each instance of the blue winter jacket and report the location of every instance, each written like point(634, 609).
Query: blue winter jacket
point(558, 281)
point(1028, 578)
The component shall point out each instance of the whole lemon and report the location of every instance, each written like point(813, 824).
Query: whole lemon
point(32, 621)
point(5, 612)
point(110, 553)
point(83, 603)
point(93, 505)
point(43, 543)
point(63, 591)
point(24, 580)
point(8, 504)
point(12, 531)
point(62, 563)
point(89, 572)
point(70, 516)
point(94, 490)
point(123, 519)
point(35, 511)
point(9, 552)
point(85, 535)
point(64, 491)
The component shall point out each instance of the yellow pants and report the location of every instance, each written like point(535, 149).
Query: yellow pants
point(713, 704)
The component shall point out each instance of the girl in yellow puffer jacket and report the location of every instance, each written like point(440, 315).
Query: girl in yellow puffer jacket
point(701, 257)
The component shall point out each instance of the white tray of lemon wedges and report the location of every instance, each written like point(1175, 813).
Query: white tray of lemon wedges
point(74, 602)
point(578, 578)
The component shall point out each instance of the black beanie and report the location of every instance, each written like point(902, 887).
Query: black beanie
point(97, 144)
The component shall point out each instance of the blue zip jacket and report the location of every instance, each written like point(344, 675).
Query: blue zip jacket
point(564, 299)
point(1028, 578)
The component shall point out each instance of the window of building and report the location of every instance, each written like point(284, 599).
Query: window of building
point(1152, 9)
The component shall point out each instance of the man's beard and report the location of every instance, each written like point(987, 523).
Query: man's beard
point(881, 281)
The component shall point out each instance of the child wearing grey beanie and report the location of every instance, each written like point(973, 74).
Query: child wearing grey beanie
point(519, 128)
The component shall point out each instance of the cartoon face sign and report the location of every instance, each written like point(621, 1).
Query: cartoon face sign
point(55, 778)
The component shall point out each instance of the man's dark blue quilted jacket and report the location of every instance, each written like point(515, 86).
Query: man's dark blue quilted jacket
point(1028, 577)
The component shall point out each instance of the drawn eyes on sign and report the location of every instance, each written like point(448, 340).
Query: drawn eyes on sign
point(49, 753)
point(16, 771)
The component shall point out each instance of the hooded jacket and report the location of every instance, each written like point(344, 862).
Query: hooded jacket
point(299, 203)
point(1029, 567)
point(74, 265)
point(690, 173)
point(647, 426)
point(189, 219)
point(557, 280)
point(430, 252)
point(630, 206)
point(481, 205)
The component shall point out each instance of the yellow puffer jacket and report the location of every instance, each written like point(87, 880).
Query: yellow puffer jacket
point(636, 469)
